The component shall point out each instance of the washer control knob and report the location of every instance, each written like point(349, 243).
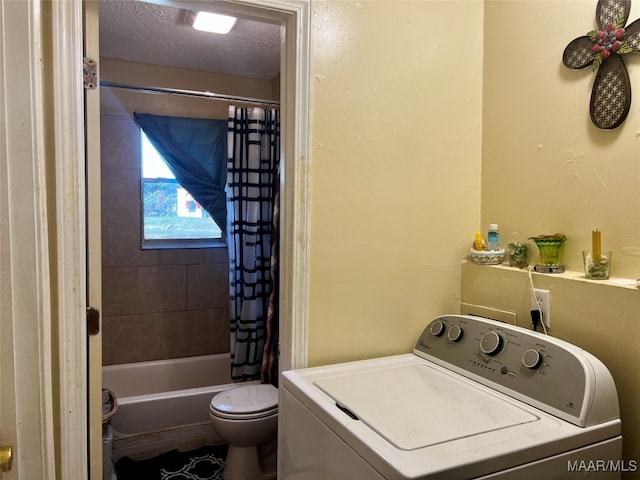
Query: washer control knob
point(491, 343)
point(532, 359)
point(437, 328)
point(455, 333)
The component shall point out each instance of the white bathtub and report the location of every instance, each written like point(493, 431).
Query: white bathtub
point(164, 394)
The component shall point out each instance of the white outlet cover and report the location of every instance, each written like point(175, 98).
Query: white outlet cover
point(545, 300)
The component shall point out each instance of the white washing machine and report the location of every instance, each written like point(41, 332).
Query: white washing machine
point(477, 399)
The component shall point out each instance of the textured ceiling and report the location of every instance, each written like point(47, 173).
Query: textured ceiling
point(147, 33)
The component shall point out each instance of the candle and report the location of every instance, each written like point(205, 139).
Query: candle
point(596, 246)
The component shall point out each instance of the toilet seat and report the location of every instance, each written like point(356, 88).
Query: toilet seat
point(246, 402)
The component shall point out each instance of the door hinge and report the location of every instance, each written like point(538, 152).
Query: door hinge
point(90, 71)
point(93, 321)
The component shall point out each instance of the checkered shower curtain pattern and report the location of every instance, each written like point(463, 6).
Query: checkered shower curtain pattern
point(253, 155)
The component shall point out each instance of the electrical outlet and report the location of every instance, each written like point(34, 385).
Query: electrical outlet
point(543, 302)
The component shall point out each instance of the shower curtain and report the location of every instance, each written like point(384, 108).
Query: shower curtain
point(253, 143)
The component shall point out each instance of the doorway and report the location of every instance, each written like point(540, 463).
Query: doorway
point(169, 298)
point(294, 18)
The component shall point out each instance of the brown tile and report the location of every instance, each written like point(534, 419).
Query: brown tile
point(103, 239)
point(123, 244)
point(106, 340)
point(119, 142)
point(218, 331)
point(189, 336)
point(137, 338)
point(119, 290)
point(121, 192)
point(217, 255)
point(208, 286)
point(162, 288)
point(182, 256)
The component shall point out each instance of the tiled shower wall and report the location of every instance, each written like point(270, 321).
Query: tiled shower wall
point(156, 304)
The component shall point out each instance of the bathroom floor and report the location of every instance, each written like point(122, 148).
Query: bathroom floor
point(205, 463)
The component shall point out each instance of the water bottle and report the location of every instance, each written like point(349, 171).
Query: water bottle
point(493, 237)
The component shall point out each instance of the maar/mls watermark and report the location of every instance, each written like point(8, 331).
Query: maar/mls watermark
point(602, 466)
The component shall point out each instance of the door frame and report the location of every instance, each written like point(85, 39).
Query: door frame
point(68, 110)
point(93, 188)
point(65, 75)
point(26, 280)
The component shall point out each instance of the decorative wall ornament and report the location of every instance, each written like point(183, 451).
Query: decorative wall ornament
point(602, 49)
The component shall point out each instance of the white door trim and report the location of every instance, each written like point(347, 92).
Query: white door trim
point(66, 42)
point(94, 243)
point(26, 316)
point(66, 83)
point(294, 235)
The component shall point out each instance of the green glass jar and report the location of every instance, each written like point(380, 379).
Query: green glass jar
point(550, 247)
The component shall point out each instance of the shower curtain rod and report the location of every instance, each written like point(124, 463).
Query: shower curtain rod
point(187, 93)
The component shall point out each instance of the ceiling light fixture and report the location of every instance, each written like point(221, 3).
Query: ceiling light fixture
point(213, 22)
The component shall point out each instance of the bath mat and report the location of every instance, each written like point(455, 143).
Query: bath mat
point(205, 463)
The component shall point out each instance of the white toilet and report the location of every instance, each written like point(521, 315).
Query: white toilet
point(245, 417)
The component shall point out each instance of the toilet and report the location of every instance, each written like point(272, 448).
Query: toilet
point(245, 417)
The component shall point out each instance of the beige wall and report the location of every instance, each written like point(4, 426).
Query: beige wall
point(398, 127)
point(395, 191)
point(546, 168)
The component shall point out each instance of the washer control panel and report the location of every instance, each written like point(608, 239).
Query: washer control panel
point(543, 371)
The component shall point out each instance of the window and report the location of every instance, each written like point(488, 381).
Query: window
point(171, 217)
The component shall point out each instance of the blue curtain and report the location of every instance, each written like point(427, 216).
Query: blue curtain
point(252, 186)
point(196, 152)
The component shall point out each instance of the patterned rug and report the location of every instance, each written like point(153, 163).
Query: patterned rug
point(202, 464)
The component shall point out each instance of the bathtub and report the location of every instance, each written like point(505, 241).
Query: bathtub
point(164, 402)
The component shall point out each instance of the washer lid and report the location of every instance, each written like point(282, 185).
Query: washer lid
point(246, 399)
point(417, 406)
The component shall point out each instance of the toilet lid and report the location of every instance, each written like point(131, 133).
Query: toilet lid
point(247, 399)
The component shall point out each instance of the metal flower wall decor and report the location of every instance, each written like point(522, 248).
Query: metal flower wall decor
point(603, 49)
